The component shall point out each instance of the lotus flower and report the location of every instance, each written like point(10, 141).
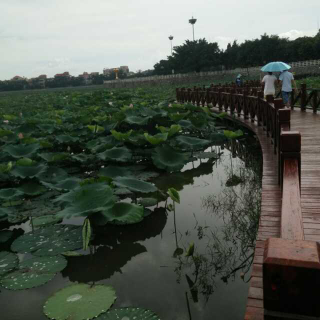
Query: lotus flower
point(170, 105)
point(110, 103)
point(20, 114)
point(131, 105)
point(5, 121)
point(20, 135)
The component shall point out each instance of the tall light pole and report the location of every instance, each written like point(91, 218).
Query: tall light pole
point(171, 38)
point(193, 21)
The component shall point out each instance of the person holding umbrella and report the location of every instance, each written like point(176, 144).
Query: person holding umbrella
point(285, 78)
point(269, 82)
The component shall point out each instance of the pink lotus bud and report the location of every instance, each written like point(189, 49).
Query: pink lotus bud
point(131, 105)
point(20, 135)
point(5, 121)
point(170, 105)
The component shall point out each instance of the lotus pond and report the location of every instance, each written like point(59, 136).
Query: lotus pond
point(124, 205)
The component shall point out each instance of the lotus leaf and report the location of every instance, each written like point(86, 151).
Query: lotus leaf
point(233, 134)
point(86, 200)
point(33, 272)
point(4, 212)
point(218, 138)
point(165, 157)
point(20, 150)
point(121, 136)
point(26, 162)
point(114, 171)
point(54, 156)
point(137, 120)
point(79, 302)
point(82, 157)
point(135, 185)
point(156, 139)
point(10, 194)
point(121, 154)
point(175, 128)
point(186, 124)
point(192, 142)
point(128, 314)
point(174, 195)
point(123, 213)
point(5, 133)
point(4, 168)
point(49, 128)
point(148, 202)
point(53, 175)
point(23, 171)
point(8, 262)
point(29, 140)
point(96, 128)
point(66, 184)
point(121, 191)
point(16, 217)
point(44, 221)
point(66, 139)
point(145, 175)
point(178, 116)
point(5, 235)
point(32, 189)
point(49, 241)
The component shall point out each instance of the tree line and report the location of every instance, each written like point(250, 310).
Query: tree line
point(201, 55)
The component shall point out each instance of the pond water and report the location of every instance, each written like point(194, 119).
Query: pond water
point(146, 263)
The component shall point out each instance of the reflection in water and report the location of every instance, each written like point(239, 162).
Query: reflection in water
point(113, 247)
point(222, 252)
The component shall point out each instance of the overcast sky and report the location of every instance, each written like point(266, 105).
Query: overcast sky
point(53, 36)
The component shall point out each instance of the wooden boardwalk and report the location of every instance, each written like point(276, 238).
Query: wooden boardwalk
point(309, 126)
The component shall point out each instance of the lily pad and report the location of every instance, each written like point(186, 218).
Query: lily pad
point(124, 213)
point(128, 314)
point(135, 185)
point(32, 189)
point(54, 156)
point(156, 139)
point(86, 200)
point(192, 142)
point(79, 302)
point(66, 184)
point(66, 139)
point(10, 194)
point(45, 221)
point(114, 171)
point(20, 150)
point(121, 154)
point(5, 235)
point(31, 171)
point(34, 272)
point(148, 202)
point(169, 159)
point(8, 262)
point(137, 120)
point(49, 241)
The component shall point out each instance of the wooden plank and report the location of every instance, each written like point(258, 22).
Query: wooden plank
point(291, 217)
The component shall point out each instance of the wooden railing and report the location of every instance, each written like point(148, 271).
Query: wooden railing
point(291, 266)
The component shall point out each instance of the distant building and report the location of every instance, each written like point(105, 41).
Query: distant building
point(17, 78)
point(65, 74)
point(107, 71)
point(94, 74)
point(86, 77)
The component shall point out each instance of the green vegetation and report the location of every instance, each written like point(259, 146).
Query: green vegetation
point(201, 55)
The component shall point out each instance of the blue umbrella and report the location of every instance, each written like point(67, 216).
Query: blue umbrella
point(275, 67)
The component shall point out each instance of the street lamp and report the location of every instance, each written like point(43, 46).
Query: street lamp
point(171, 38)
point(193, 21)
point(116, 72)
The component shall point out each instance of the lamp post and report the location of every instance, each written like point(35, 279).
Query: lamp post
point(192, 21)
point(171, 38)
point(116, 72)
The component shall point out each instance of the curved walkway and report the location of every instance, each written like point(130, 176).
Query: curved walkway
point(308, 124)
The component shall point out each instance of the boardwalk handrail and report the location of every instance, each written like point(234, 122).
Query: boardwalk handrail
point(288, 261)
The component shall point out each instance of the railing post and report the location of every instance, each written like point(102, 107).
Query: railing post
point(290, 148)
point(278, 104)
point(260, 109)
point(219, 99)
point(315, 101)
point(303, 96)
